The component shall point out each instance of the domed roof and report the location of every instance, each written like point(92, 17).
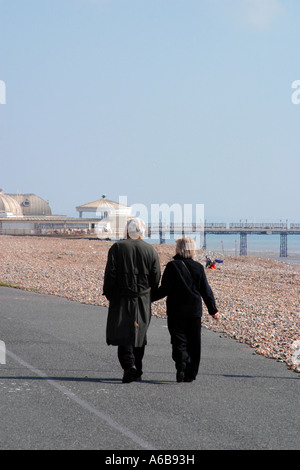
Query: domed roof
point(104, 205)
point(32, 205)
point(9, 204)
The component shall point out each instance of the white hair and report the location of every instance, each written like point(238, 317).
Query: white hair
point(135, 228)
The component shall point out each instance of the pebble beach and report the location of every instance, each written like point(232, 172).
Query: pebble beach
point(258, 298)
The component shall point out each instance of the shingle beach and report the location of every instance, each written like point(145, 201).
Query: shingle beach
point(259, 298)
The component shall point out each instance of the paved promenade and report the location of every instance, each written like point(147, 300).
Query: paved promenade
point(61, 387)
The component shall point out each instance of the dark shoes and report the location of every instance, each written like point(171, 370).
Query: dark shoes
point(132, 375)
point(129, 375)
point(188, 377)
point(180, 376)
point(184, 374)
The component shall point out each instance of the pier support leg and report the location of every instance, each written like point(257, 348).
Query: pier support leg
point(182, 230)
point(161, 237)
point(283, 245)
point(204, 241)
point(243, 244)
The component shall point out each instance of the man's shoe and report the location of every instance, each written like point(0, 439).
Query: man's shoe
point(180, 376)
point(188, 376)
point(129, 375)
point(138, 376)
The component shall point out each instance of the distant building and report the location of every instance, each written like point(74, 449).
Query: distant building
point(32, 205)
point(104, 208)
point(19, 205)
point(9, 207)
point(112, 217)
point(28, 214)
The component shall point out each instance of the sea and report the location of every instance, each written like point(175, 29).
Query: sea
point(265, 246)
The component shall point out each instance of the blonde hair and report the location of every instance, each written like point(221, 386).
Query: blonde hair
point(186, 247)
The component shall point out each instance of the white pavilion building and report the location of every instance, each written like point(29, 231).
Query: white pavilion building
point(112, 216)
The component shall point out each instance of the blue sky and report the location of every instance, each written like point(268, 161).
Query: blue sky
point(164, 101)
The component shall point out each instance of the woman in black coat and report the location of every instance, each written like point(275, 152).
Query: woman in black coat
point(185, 284)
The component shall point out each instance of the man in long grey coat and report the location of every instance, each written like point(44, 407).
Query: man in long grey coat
point(132, 272)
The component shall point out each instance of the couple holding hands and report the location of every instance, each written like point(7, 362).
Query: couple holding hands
point(132, 281)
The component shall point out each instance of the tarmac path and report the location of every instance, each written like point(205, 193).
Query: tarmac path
point(61, 387)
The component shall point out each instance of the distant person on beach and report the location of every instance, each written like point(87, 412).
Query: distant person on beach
point(132, 272)
point(185, 284)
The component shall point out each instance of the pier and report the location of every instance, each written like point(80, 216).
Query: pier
point(63, 226)
point(241, 229)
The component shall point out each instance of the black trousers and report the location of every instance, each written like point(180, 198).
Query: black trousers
point(130, 356)
point(185, 335)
